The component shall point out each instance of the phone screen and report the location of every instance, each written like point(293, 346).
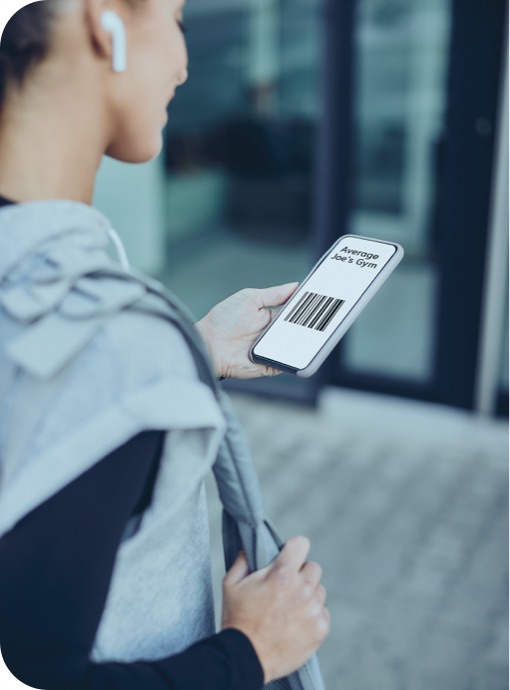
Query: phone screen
point(323, 301)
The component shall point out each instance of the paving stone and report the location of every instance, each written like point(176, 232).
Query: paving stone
point(490, 677)
point(476, 503)
point(371, 669)
point(365, 579)
point(408, 529)
point(422, 585)
point(489, 561)
point(446, 649)
point(472, 607)
point(348, 621)
point(458, 680)
point(397, 630)
point(443, 551)
point(497, 651)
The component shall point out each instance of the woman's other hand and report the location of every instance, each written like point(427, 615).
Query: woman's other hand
point(281, 608)
point(232, 326)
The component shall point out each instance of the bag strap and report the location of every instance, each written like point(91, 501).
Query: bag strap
point(233, 469)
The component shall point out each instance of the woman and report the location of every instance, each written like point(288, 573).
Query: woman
point(104, 564)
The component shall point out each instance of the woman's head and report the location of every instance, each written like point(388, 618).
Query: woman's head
point(52, 44)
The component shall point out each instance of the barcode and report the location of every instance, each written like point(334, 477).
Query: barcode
point(315, 311)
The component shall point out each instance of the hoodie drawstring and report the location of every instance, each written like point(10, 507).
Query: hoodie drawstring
point(121, 251)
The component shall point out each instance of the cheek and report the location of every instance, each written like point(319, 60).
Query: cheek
point(154, 71)
point(148, 74)
point(156, 78)
point(162, 60)
point(138, 135)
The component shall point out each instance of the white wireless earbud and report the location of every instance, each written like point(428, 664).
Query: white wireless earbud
point(113, 23)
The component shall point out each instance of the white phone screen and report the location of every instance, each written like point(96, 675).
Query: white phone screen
point(323, 301)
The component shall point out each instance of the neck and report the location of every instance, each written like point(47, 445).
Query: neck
point(49, 148)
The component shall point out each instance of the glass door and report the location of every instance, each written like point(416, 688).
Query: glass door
point(425, 77)
point(401, 68)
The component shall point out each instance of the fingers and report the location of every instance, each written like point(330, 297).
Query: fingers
point(294, 553)
point(321, 595)
point(270, 371)
point(326, 618)
point(312, 572)
point(238, 571)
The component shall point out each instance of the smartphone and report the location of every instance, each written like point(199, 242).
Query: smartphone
point(326, 303)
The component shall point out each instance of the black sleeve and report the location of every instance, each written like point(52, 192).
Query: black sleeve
point(55, 569)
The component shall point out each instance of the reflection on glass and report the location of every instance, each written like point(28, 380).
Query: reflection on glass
point(239, 149)
point(503, 376)
point(401, 56)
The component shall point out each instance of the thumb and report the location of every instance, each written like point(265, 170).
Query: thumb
point(238, 571)
point(275, 296)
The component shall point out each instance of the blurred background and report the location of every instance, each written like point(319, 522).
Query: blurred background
point(301, 121)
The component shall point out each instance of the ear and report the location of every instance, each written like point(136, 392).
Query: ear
point(100, 36)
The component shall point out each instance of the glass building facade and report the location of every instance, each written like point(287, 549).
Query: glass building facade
point(234, 194)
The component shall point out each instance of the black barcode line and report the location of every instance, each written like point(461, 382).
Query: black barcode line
point(300, 308)
point(320, 312)
point(310, 309)
point(315, 311)
point(330, 315)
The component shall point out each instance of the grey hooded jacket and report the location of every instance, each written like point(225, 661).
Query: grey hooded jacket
point(91, 353)
point(84, 367)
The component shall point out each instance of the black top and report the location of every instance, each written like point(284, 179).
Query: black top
point(55, 570)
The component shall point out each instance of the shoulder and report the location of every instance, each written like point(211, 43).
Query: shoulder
point(66, 300)
point(146, 346)
point(82, 367)
point(103, 359)
point(97, 352)
point(134, 373)
point(80, 326)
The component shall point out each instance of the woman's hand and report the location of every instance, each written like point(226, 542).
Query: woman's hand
point(281, 608)
point(232, 326)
